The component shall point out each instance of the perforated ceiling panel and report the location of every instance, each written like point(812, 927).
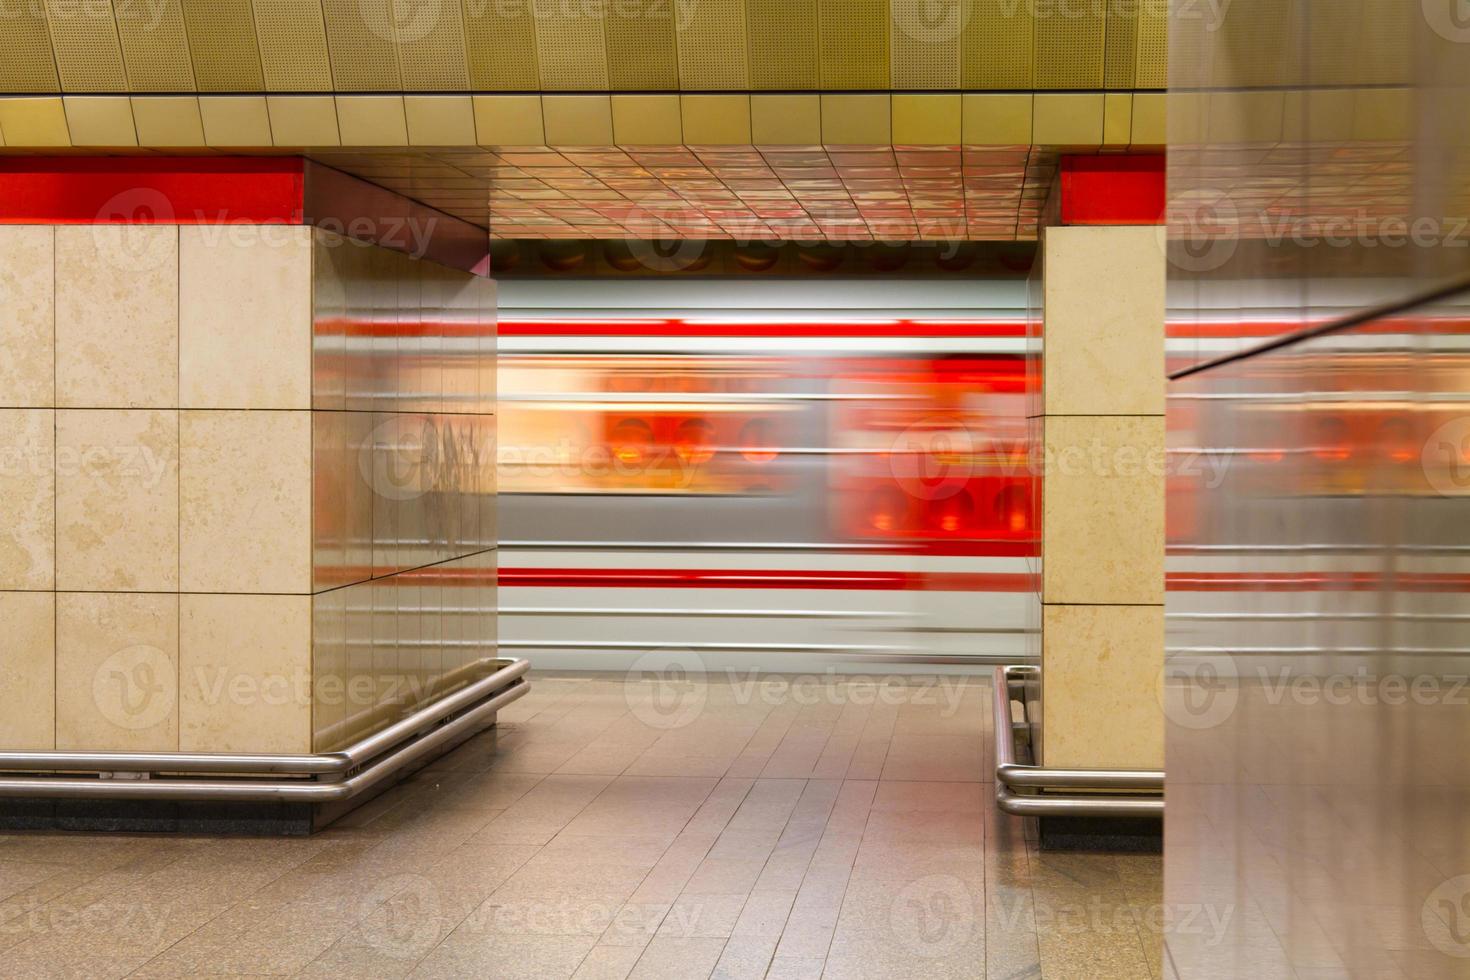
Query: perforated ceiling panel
point(360, 39)
point(28, 65)
point(155, 45)
point(1152, 58)
point(500, 45)
point(88, 57)
point(293, 46)
point(854, 43)
point(926, 42)
point(996, 45)
point(783, 44)
point(1120, 45)
point(1358, 43)
point(1258, 43)
point(712, 46)
point(640, 45)
point(1069, 49)
point(431, 52)
point(570, 46)
point(222, 45)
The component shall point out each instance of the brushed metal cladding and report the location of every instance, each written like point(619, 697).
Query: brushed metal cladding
point(1315, 687)
point(404, 488)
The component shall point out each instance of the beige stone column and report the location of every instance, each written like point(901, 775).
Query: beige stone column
point(1099, 419)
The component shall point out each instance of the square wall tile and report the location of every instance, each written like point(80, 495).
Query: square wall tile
point(28, 671)
point(117, 500)
point(245, 673)
point(1103, 509)
point(117, 315)
point(1101, 668)
point(245, 312)
point(245, 501)
point(116, 671)
point(27, 498)
point(27, 329)
point(1103, 310)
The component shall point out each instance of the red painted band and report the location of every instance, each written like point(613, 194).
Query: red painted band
point(150, 190)
point(741, 578)
point(1116, 189)
point(679, 328)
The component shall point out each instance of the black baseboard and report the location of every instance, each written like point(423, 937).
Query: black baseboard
point(157, 817)
point(1130, 835)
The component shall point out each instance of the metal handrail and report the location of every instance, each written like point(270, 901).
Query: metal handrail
point(319, 778)
point(1011, 775)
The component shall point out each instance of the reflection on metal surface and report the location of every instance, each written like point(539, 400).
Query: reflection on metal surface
point(1315, 690)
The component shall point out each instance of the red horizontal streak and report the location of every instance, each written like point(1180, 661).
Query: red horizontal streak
point(782, 578)
point(834, 328)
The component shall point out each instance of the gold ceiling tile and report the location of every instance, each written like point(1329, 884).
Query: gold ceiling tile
point(852, 119)
point(1151, 61)
point(168, 120)
point(100, 120)
point(1149, 115)
point(646, 120)
point(641, 53)
point(372, 120)
point(431, 45)
point(928, 119)
point(712, 46)
point(293, 46)
point(440, 120)
point(500, 44)
point(570, 47)
point(783, 44)
point(88, 56)
point(509, 121)
point(577, 120)
point(34, 121)
point(360, 42)
point(926, 42)
point(995, 119)
point(1120, 45)
point(1069, 47)
point(223, 46)
point(785, 120)
point(28, 65)
point(854, 44)
point(303, 120)
point(155, 46)
point(996, 45)
point(1067, 119)
point(715, 120)
point(235, 120)
point(1117, 119)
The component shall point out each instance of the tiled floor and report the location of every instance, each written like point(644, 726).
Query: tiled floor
point(617, 827)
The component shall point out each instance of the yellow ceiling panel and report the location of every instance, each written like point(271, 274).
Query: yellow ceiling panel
point(360, 39)
point(926, 42)
point(1069, 49)
point(440, 120)
point(34, 121)
point(155, 45)
point(854, 43)
point(293, 46)
point(235, 120)
point(88, 56)
point(372, 120)
point(996, 45)
point(1152, 60)
point(715, 120)
point(100, 120)
point(570, 47)
point(578, 120)
point(223, 47)
point(647, 120)
point(508, 120)
point(431, 46)
point(1120, 46)
point(712, 43)
point(28, 65)
point(640, 46)
point(168, 120)
point(783, 44)
point(856, 118)
point(500, 45)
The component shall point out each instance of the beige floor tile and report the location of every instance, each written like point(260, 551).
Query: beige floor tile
point(678, 959)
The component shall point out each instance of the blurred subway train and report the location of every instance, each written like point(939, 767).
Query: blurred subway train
point(788, 476)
